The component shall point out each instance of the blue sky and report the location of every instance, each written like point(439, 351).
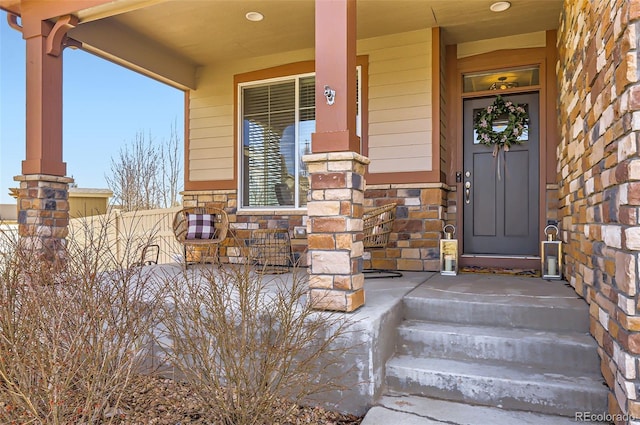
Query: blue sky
point(105, 106)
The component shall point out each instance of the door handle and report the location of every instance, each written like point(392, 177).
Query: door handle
point(467, 192)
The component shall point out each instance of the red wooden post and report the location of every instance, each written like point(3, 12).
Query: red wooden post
point(336, 69)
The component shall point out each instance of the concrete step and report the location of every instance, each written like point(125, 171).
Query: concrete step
point(551, 350)
point(496, 301)
point(412, 410)
point(497, 384)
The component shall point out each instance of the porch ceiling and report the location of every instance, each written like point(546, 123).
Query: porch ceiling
point(216, 30)
point(191, 33)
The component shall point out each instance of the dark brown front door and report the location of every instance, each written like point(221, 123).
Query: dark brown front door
point(501, 193)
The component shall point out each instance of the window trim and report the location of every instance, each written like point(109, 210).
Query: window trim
point(267, 82)
point(274, 74)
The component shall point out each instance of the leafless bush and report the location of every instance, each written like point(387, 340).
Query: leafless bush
point(72, 335)
point(245, 341)
point(146, 175)
point(171, 169)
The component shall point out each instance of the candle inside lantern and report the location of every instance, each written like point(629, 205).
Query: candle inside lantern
point(552, 265)
point(448, 263)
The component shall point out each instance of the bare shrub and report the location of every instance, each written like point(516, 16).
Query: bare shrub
point(246, 341)
point(171, 169)
point(72, 334)
point(146, 174)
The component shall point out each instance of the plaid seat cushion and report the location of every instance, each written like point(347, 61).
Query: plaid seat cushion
point(201, 226)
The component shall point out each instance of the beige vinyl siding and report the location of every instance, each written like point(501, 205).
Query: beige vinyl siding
point(401, 113)
point(211, 128)
point(400, 110)
point(211, 133)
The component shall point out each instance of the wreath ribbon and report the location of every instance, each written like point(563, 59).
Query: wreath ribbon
point(496, 155)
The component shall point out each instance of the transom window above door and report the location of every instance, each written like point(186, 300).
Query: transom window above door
point(500, 80)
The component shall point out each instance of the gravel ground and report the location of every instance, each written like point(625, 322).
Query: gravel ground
point(166, 402)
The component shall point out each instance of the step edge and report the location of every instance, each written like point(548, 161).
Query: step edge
point(575, 303)
point(392, 364)
point(416, 403)
point(415, 325)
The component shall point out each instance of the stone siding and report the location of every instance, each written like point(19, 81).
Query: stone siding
point(335, 227)
point(552, 204)
point(422, 211)
point(420, 216)
point(43, 214)
point(599, 180)
point(241, 224)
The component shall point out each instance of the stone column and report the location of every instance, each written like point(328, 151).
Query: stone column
point(43, 214)
point(334, 227)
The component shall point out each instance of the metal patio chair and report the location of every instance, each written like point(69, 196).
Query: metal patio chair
point(377, 226)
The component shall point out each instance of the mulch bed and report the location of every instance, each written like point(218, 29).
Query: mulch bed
point(157, 401)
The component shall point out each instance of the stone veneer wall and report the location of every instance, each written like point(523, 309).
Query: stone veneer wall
point(599, 180)
point(420, 217)
point(43, 214)
point(242, 224)
point(414, 244)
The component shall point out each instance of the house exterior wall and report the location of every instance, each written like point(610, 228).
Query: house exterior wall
point(88, 202)
point(241, 225)
point(420, 214)
point(599, 180)
point(8, 213)
point(212, 156)
point(399, 140)
point(400, 107)
point(404, 166)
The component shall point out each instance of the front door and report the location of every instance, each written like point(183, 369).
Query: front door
point(501, 193)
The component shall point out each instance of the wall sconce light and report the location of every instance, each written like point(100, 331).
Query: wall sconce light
point(551, 255)
point(330, 94)
point(449, 252)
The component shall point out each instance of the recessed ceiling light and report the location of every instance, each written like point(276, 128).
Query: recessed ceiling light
point(500, 6)
point(254, 16)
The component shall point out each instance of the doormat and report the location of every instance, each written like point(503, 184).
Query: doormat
point(501, 270)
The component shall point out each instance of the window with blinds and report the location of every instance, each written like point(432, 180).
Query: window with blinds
point(278, 118)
